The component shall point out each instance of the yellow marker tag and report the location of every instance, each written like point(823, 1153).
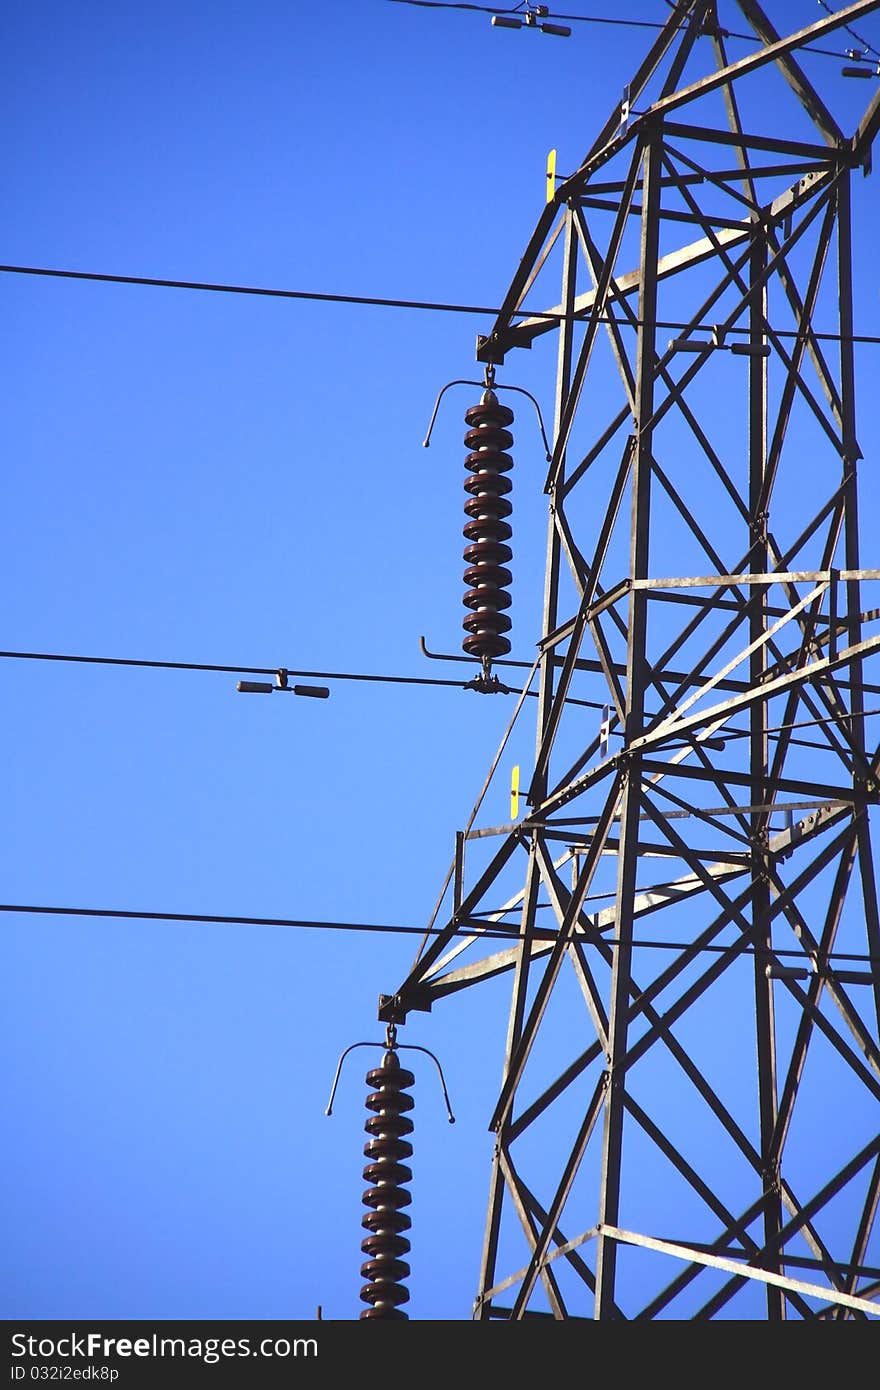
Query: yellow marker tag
point(551, 175)
point(514, 793)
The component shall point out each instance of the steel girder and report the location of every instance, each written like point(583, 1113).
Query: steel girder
point(687, 1125)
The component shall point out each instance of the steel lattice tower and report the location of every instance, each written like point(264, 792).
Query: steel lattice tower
point(687, 1125)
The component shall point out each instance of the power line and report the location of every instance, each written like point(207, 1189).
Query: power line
point(268, 671)
point(219, 919)
point(614, 21)
point(229, 670)
point(382, 928)
point(271, 293)
point(852, 32)
point(149, 664)
point(501, 9)
point(375, 301)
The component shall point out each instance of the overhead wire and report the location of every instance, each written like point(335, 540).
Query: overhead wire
point(212, 287)
point(150, 664)
point(230, 670)
point(518, 9)
point(228, 919)
point(376, 301)
point(264, 671)
point(858, 37)
point(615, 21)
point(382, 302)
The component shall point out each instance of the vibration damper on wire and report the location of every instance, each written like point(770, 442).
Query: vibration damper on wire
point(282, 682)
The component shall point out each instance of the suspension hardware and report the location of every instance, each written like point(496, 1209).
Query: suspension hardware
point(387, 1175)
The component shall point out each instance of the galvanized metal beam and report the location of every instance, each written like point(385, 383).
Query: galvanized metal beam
point(763, 1276)
point(777, 51)
point(679, 824)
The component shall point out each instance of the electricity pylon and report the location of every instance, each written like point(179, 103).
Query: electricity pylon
point(687, 1124)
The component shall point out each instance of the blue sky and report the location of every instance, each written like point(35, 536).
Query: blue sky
point(241, 481)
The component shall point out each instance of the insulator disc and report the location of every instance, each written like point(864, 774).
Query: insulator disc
point(481, 645)
point(487, 504)
point(385, 1244)
point(485, 460)
point(387, 1146)
point(488, 552)
point(486, 621)
point(387, 1171)
point(487, 574)
point(487, 597)
point(487, 480)
point(380, 1125)
point(485, 484)
point(485, 528)
point(394, 1197)
point(391, 1101)
point(488, 437)
point(390, 1078)
point(394, 1294)
point(492, 411)
point(387, 1311)
point(385, 1270)
point(387, 1220)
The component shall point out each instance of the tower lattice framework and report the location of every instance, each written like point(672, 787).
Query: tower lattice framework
point(687, 1122)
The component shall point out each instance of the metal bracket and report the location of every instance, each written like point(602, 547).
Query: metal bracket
point(453, 656)
point(392, 1009)
point(488, 349)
